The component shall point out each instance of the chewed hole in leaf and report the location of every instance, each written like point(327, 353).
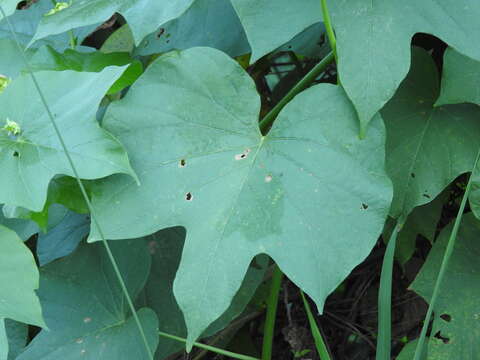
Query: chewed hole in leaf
point(364, 206)
point(182, 163)
point(243, 155)
point(445, 340)
point(426, 196)
point(16, 154)
point(188, 196)
point(160, 33)
point(412, 175)
point(446, 317)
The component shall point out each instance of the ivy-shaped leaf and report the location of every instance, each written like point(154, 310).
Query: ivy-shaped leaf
point(307, 194)
point(85, 310)
point(460, 79)
point(457, 317)
point(269, 24)
point(30, 152)
point(373, 42)
point(427, 146)
point(18, 281)
point(143, 16)
point(212, 23)
point(166, 250)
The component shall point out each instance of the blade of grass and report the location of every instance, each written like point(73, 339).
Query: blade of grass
point(385, 298)
point(81, 186)
point(208, 347)
point(317, 335)
point(445, 261)
point(272, 304)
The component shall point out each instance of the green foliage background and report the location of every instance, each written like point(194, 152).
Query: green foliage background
point(162, 123)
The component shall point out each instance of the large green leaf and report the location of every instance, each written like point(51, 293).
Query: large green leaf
point(85, 310)
point(373, 42)
point(269, 24)
point(211, 23)
point(460, 79)
point(18, 280)
point(427, 146)
point(307, 194)
point(143, 16)
point(31, 155)
point(456, 310)
point(166, 250)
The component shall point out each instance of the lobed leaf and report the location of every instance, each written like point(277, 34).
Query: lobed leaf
point(85, 309)
point(166, 249)
point(203, 164)
point(33, 155)
point(373, 42)
point(427, 146)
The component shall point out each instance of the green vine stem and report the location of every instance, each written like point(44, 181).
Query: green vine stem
point(444, 265)
point(328, 26)
point(299, 87)
point(208, 347)
point(272, 304)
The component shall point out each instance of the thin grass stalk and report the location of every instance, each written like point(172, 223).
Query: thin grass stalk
point(320, 344)
point(384, 340)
